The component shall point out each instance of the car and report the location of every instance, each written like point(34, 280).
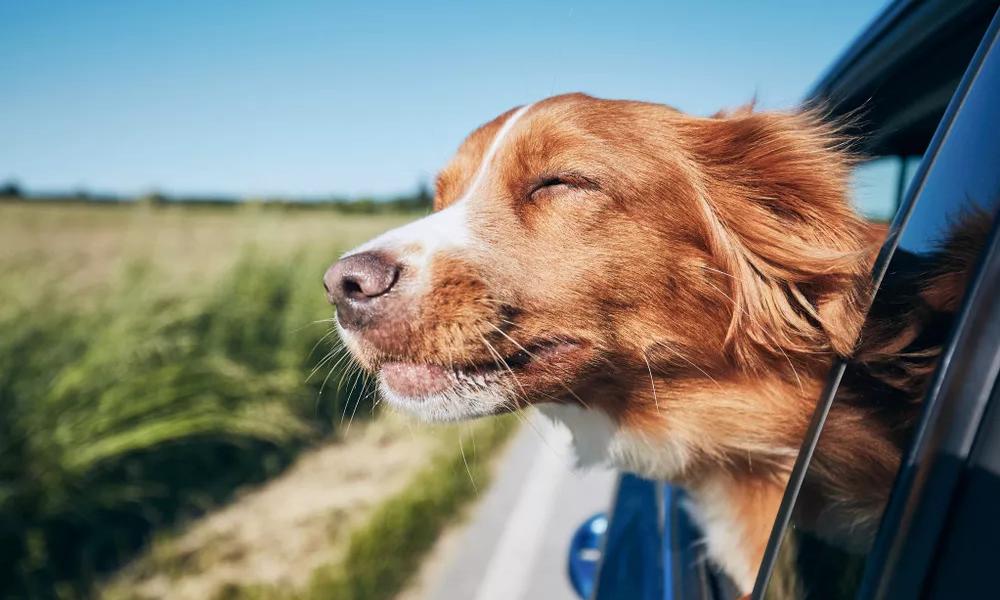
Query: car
point(922, 85)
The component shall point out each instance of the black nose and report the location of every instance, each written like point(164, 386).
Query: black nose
point(356, 282)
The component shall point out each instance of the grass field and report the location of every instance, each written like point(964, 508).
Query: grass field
point(87, 246)
point(152, 361)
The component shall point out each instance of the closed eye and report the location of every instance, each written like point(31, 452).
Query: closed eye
point(548, 182)
point(554, 184)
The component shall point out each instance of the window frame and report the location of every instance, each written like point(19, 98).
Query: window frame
point(887, 537)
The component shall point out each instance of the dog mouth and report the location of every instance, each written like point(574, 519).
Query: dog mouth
point(417, 381)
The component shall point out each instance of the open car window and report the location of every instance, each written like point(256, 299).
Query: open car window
point(827, 524)
point(877, 185)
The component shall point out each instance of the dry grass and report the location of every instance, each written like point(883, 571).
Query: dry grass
point(88, 246)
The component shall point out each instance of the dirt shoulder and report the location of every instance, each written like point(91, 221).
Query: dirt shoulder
point(281, 532)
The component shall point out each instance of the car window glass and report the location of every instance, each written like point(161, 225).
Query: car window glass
point(877, 185)
point(839, 506)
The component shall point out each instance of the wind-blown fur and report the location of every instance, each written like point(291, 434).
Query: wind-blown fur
point(672, 287)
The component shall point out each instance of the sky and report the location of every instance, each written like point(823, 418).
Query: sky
point(351, 98)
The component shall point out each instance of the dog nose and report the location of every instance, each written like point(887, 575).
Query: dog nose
point(355, 282)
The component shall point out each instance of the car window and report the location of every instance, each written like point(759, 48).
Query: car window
point(877, 185)
point(864, 436)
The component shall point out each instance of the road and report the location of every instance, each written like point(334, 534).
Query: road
point(515, 544)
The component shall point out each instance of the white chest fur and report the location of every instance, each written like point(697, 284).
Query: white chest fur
point(597, 440)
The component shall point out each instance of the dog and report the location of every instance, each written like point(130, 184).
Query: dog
point(673, 288)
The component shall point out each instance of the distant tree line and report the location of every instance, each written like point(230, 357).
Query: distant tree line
point(421, 199)
point(10, 190)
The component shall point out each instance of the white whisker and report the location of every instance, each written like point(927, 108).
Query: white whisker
point(651, 382)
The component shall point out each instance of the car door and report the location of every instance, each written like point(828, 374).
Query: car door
point(955, 192)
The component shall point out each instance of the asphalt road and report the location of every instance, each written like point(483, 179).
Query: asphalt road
point(515, 545)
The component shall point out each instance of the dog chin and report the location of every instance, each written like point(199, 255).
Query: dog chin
point(449, 405)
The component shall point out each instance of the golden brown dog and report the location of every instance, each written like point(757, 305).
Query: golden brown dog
point(673, 288)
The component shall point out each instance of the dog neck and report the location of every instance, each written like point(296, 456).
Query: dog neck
point(735, 475)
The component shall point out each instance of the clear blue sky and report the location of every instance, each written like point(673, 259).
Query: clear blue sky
point(320, 98)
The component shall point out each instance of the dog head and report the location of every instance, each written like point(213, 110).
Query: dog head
point(617, 256)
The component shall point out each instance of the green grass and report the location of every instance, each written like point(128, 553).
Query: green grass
point(137, 395)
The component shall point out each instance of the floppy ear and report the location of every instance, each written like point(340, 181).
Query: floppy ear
point(773, 197)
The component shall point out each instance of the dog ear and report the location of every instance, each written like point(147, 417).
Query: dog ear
point(773, 196)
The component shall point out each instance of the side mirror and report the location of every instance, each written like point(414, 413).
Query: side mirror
point(585, 554)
